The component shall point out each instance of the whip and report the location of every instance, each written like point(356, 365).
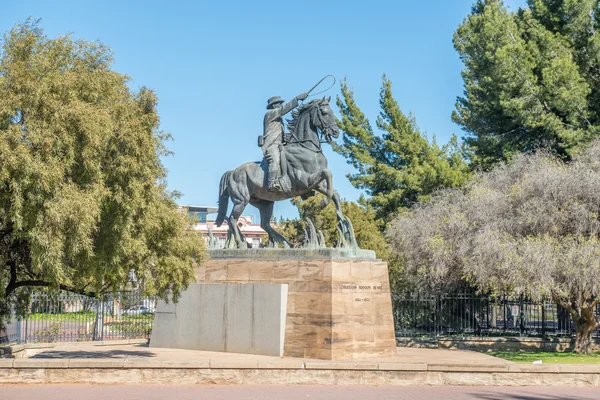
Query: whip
point(318, 83)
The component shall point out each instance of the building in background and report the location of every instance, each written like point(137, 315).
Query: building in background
point(253, 232)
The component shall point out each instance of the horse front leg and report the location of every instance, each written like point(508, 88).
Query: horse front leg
point(323, 182)
point(345, 230)
point(337, 202)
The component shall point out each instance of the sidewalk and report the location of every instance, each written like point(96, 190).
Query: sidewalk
point(137, 363)
point(141, 352)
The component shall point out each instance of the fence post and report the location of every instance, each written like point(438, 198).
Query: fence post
point(493, 317)
point(435, 314)
point(19, 322)
point(99, 322)
point(543, 318)
point(26, 326)
point(505, 316)
point(521, 316)
point(102, 318)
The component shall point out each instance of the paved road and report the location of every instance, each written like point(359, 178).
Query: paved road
point(131, 392)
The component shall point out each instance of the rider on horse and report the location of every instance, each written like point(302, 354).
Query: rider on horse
point(273, 136)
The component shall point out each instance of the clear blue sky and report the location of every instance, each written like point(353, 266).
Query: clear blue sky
point(214, 64)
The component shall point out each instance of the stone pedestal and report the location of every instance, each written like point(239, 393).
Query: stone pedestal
point(236, 318)
point(339, 306)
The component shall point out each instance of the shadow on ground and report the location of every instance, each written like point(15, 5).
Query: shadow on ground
point(95, 353)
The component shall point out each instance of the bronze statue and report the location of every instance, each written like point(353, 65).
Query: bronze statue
point(294, 167)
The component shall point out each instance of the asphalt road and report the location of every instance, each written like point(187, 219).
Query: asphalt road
point(165, 392)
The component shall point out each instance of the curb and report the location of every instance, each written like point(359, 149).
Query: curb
point(290, 364)
point(289, 372)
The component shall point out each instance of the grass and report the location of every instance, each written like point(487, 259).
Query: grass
point(74, 316)
point(548, 357)
point(85, 317)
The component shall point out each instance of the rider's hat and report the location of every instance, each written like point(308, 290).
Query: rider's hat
point(274, 100)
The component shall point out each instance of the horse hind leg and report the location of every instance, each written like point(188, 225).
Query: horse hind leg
point(239, 195)
point(235, 233)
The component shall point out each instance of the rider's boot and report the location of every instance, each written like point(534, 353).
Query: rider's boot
point(274, 185)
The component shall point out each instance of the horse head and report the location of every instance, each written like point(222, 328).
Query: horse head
point(312, 118)
point(326, 120)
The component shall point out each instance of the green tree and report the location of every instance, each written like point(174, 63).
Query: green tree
point(292, 230)
point(83, 201)
point(531, 78)
point(400, 166)
point(529, 227)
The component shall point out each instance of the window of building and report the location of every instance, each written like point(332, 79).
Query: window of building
point(201, 216)
point(222, 242)
point(255, 243)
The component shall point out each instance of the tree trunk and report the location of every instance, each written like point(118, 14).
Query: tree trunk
point(584, 327)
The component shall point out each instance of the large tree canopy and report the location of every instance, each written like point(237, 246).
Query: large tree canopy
point(83, 202)
point(399, 166)
point(529, 227)
point(531, 78)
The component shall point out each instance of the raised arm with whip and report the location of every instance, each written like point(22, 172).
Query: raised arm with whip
point(273, 129)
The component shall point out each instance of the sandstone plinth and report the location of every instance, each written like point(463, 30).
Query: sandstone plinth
point(339, 307)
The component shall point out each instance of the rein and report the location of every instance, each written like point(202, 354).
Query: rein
point(301, 143)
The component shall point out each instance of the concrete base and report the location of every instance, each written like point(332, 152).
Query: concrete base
point(338, 308)
point(247, 319)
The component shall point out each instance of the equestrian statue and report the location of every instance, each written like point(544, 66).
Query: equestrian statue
point(293, 165)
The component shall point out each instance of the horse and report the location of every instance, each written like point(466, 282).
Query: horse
point(304, 168)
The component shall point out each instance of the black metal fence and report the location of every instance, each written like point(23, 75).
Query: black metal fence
point(471, 314)
point(68, 317)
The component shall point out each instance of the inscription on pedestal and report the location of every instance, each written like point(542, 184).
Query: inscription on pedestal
point(363, 299)
point(360, 290)
point(356, 287)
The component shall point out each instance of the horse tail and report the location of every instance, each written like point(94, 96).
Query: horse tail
point(223, 198)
